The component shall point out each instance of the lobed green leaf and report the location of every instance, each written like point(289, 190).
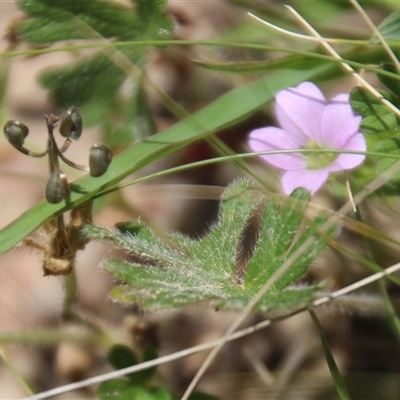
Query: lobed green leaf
point(205, 270)
point(92, 82)
point(51, 21)
point(220, 246)
point(280, 222)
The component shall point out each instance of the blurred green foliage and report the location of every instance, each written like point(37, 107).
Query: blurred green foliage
point(93, 82)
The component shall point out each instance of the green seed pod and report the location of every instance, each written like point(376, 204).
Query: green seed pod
point(16, 132)
point(99, 159)
point(71, 124)
point(57, 188)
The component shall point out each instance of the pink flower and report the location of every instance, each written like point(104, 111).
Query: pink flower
point(308, 121)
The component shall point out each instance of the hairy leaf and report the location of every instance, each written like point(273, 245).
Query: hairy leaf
point(178, 271)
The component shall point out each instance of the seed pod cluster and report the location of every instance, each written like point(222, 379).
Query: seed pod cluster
point(57, 188)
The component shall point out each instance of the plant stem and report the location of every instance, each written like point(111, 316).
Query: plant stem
point(71, 296)
point(15, 372)
point(71, 292)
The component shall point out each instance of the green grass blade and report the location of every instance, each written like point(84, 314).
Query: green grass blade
point(335, 373)
point(229, 109)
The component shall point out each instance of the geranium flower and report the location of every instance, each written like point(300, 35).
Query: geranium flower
point(308, 121)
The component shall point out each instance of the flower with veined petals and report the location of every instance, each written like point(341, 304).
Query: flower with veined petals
point(308, 121)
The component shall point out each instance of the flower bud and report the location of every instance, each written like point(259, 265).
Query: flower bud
point(57, 188)
point(99, 159)
point(71, 124)
point(15, 132)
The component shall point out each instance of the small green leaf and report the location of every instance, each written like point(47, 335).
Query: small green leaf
point(377, 118)
point(121, 356)
point(136, 387)
point(388, 146)
point(149, 353)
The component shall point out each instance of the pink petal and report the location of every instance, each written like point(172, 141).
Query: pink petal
point(339, 123)
point(311, 180)
point(305, 116)
point(356, 142)
point(299, 111)
point(349, 161)
point(271, 138)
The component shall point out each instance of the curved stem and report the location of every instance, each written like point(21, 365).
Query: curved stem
point(70, 163)
point(31, 153)
point(52, 148)
point(65, 145)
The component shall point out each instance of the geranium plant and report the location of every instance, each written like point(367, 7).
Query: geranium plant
point(264, 256)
